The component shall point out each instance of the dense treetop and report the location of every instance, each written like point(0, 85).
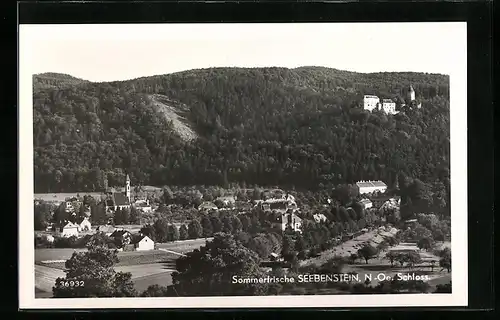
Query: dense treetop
point(268, 126)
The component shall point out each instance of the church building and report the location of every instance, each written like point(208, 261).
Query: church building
point(120, 200)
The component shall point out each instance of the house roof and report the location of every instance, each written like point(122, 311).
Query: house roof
point(142, 204)
point(319, 216)
point(79, 220)
point(70, 225)
point(368, 184)
point(120, 199)
point(106, 228)
point(138, 238)
point(207, 204)
point(365, 201)
point(293, 216)
point(119, 233)
point(277, 205)
point(226, 198)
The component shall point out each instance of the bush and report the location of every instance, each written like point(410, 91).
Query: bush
point(42, 242)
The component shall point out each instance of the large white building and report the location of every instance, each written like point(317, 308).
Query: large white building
point(371, 186)
point(370, 102)
point(389, 106)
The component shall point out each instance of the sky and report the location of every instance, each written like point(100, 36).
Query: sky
point(121, 52)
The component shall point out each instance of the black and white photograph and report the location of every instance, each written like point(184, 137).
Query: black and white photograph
point(249, 165)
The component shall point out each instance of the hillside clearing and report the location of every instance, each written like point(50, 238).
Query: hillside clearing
point(172, 114)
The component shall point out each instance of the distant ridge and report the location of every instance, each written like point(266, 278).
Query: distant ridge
point(49, 80)
point(62, 77)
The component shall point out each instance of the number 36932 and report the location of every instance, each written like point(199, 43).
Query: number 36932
point(72, 283)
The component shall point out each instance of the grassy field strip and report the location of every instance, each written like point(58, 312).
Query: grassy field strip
point(63, 196)
point(55, 254)
point(162, 279)
point(173, 252)
point(144, 270)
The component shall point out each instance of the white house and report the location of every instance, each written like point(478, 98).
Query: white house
point(292, 220)
point(281, 205)
point(70, 229)
point(143, 205)
point(106, 229)
point(143, 243)
point(207, 206)
point(84, 225)
point(228, 201)
point(319, 217)
point(370, 102)
point(390, 204)
point(389, 106)
point(371, 186)
point(366, 203)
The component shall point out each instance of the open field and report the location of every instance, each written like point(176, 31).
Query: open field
point(162, 279)
point(54, 254)
point(126, 258)
point(62, 196)
point(47, 254)
point(183, 246)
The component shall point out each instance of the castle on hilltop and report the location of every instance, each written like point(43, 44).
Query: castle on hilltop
point(372, 102)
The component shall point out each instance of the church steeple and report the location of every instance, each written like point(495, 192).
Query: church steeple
point(127, 187)
point(411, 94)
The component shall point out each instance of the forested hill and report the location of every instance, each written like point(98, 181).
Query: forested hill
point(268, 126)
point(55, 80)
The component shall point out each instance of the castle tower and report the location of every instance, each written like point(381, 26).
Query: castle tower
point(127, 187)
point(411, 94)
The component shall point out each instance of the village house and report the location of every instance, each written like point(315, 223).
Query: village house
point(280, 205)
point(69, 229)
point(275, 257)
point(84, 224)
point(207, 206)
point(366, 187)
point(391, 203)
point(123, 237)
point(106, 229)
point(119, 200)
point(291, 220)
point(143, 205)
point(319, 217)
point(366, 203)
point(72, 205)
point(227, 201)
point(143, 243)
